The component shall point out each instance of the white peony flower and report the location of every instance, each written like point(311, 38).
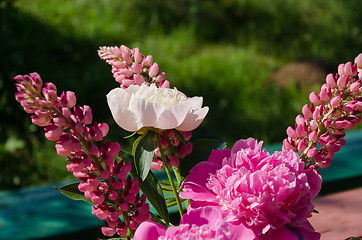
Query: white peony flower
point(162, 108)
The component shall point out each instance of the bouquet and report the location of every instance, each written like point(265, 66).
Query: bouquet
point(242, 192)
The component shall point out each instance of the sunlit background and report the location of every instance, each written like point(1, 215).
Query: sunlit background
point(253, 62)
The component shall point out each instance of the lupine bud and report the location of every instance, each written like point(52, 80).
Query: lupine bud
point(313, 136)
point(157, 165)
point(138, 57)
point(354, 87)
point(358, 60)
point(335, 101)
point(161, 77)
point(117, 64)
point(286, 145)
point(342, 81)
point(331, 81)
point(138, 79)
point(121, 231)
point(291, 133)
point(301, 130)
point(341, 69)
point(137, 68)
point(314, 99)
point(348, 68)
point(165, 84)
point(325, 93)
point(147, 61)
point(302, 145)
point(174, 161)
point(108, 231)
point(41, 118)
point(126, 72)
point(318, 112)
point(307, 111)
point(153, 70)
point(53, 132)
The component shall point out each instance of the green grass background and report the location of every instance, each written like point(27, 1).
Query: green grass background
point(223, 50)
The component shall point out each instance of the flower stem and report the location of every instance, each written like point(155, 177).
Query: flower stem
point(177, 198)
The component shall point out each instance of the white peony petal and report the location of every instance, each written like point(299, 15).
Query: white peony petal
point(193, 119)
point(147, 113)
point(117, 100)
point(149, 106)
point(175, 115)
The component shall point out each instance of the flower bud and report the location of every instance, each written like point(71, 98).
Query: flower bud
point(342, 81)
point(314, 99)
point(358, 60)
point(147, 61)
point(291, 133)
point(325, 94)
point(138, 57)
point(331, 81)
point(153, 70)
point(307, 111)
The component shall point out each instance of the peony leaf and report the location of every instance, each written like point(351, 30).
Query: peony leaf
point(72, 192)
point(201, 150)
point(143, 154)
point(151, 189)
point(154, 194)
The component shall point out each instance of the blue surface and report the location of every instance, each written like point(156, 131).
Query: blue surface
point(42, 212)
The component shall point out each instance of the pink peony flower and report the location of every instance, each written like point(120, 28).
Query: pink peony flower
point(148, 106)
point(267, 194)
point(203, 223)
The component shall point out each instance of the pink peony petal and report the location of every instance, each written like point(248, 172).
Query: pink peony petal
point(194, 186)
point(149, 230)
point(281, 234)
point(239, 231)
point(262, 192)
point(217, 156)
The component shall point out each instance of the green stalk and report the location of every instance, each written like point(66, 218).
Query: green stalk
point(177, 198)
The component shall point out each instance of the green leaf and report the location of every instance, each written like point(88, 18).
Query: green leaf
point(171, 201)
point(158, 220)
point(72, 192)
point(201, 150)
point(155, 196)
point(143, 154)
point(166, 186)
point(180, 136)
point(151, 189)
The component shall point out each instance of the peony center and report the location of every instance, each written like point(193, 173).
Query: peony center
point(166, 96)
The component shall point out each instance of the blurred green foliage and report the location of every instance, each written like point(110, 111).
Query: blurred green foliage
point(223, 50)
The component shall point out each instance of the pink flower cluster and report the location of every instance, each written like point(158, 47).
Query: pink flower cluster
point(104, 178)
point(198, 224)
point(174, 151)
point(132, 67)
point(260, 195)
point(319, 133)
